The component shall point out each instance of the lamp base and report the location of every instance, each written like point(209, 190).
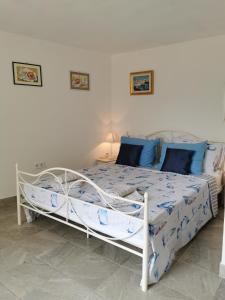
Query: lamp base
point(108, 157)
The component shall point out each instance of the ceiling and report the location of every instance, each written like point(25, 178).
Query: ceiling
point(114, 26)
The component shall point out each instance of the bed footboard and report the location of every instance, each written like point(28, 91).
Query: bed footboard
point(24, 178)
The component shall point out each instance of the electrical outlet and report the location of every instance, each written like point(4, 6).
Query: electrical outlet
point(40, 165)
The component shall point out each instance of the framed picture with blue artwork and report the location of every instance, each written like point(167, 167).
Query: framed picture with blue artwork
point(142, 83)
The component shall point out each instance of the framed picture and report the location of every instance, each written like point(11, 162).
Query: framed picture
point(142, 83)
point(79, 81)
point(26, 74)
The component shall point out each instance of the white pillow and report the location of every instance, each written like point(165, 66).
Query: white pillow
point(214, 157)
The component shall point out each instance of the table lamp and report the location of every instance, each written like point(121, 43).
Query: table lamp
point(111, 137)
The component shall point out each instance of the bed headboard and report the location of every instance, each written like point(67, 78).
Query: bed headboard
point(174, 136)
point(169, 136)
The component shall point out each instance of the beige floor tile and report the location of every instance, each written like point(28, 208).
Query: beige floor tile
point(202, 256)
point(24, 278)
point(5, 294)
point(48, 260)
point(94, 296)
point(191, 281)
point(5, 242)
point(133, 263)
point(125, 285)
point(113, 253)
point(41, 242)
point(44, 223)
point(59, 229)
point(38, 294)
point(11, 257)
point(213, 241)
point(59, 286)
point(19, 233)
point(58, 254)
point(220, 293)
point(89, 269)
point(80, 238)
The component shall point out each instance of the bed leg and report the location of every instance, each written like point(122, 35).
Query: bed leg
point(145, 271)
point(18, 197)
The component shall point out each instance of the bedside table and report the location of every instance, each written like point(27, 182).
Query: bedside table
point(105, 160)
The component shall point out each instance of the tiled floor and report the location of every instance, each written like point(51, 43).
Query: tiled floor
point(48, 260)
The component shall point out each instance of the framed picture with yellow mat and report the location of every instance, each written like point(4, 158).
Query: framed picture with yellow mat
point(142, 83)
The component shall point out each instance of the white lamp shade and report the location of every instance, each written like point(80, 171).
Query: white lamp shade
point(112, 137)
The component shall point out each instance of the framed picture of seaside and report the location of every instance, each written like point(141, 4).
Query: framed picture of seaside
point(142, 83)
point(79, 81)
point(26, 74)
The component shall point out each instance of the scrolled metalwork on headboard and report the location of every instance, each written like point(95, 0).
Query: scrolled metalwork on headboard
point(174, 136)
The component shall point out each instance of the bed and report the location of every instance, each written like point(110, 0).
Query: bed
point(147, 212)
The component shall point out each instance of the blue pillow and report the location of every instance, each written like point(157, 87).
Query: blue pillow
point(129, 155)
point(197, 159)
point(149, 149)
point(178, 161)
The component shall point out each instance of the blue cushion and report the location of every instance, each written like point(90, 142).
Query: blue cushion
point(178, 161)
point(129, 155)
point(149, 149)
point(197, 159)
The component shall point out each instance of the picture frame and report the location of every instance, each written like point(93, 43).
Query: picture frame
point(79, 81)
point(27, 74)
point(142, 83)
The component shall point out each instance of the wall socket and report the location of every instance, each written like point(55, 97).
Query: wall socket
point(40, 165)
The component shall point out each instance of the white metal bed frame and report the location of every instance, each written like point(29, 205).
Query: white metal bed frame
point(21, 181)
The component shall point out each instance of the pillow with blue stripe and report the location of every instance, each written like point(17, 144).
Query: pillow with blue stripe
point(197, 159)
point(148, 153)
point(178, 161)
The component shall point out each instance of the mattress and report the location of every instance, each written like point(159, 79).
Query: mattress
point(179, 206)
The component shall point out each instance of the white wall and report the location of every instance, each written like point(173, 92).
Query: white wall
point(52, 124)
point(65, 127)
point(189, 89)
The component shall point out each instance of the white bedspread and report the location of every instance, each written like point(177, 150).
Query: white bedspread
point(179, 206)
